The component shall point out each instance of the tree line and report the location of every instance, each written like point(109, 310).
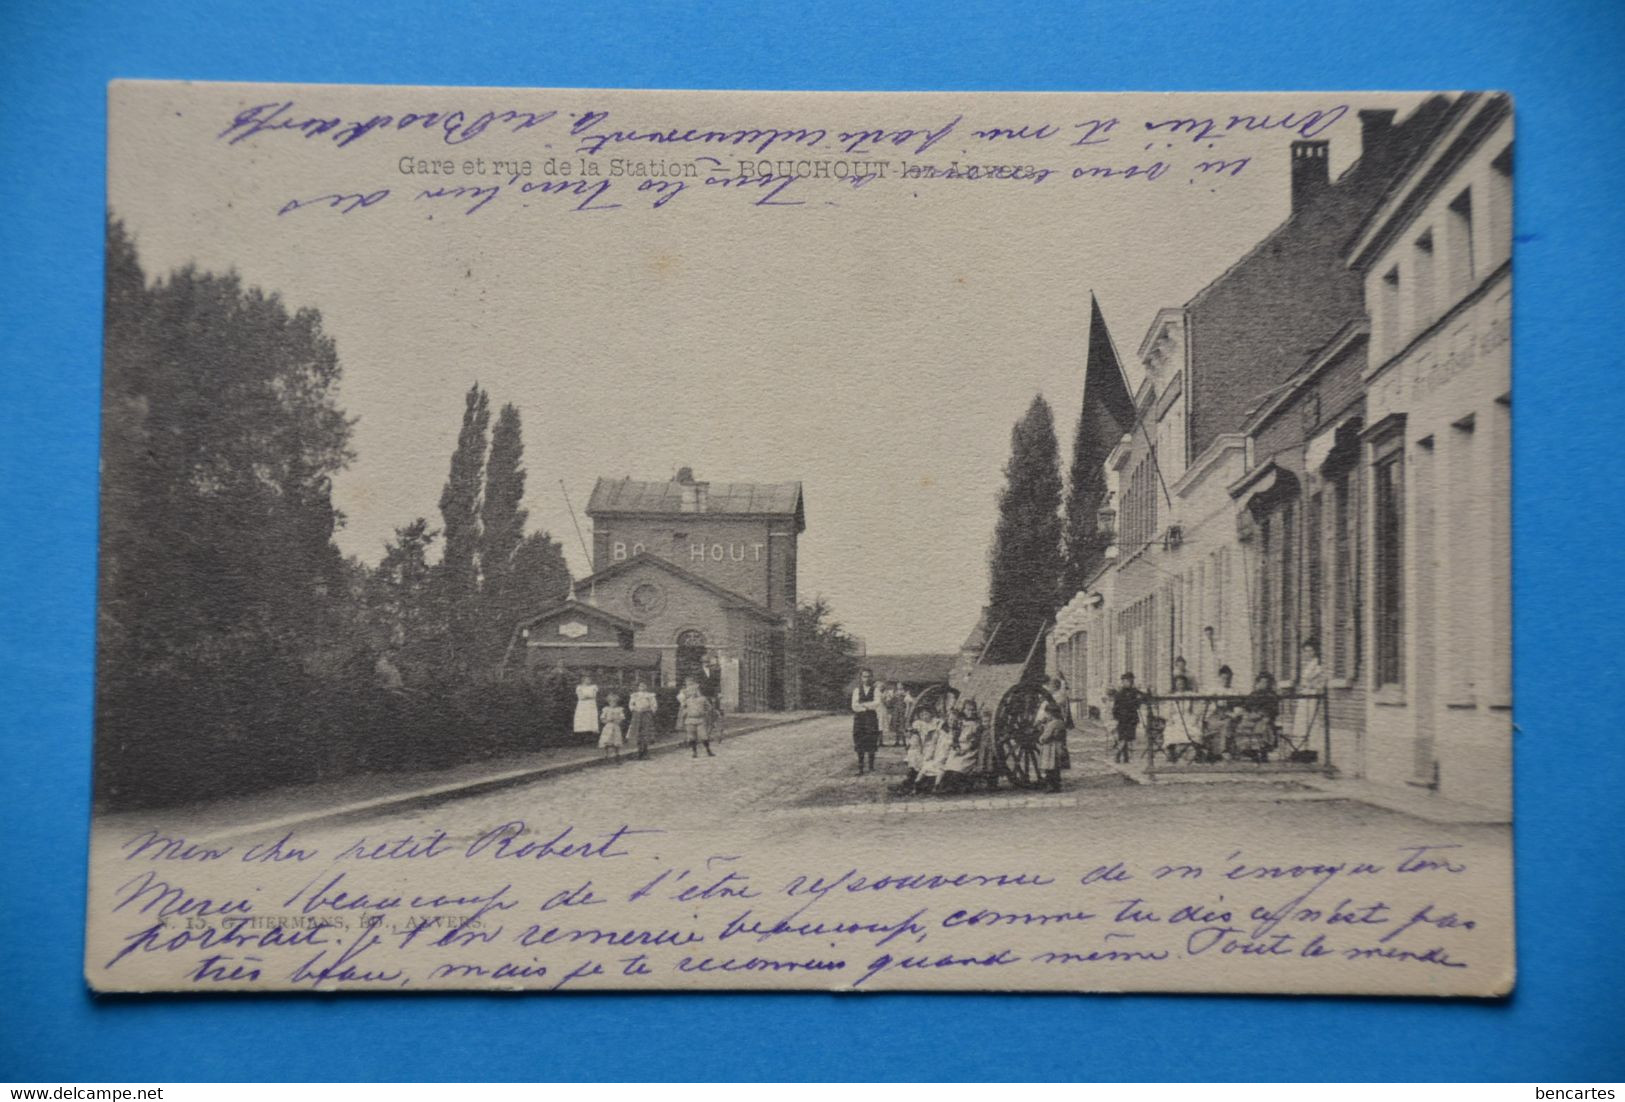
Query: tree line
point(236, 646)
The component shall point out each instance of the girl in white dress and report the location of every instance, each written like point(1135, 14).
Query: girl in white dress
point(922, 747)
point(586, 718)
point(613, 717)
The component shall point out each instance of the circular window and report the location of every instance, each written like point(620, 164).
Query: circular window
point(647, 599)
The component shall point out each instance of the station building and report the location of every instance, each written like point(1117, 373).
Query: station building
point(683, 567)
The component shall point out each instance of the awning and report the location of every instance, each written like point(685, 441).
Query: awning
point(1269, 484)
point(1345, 433)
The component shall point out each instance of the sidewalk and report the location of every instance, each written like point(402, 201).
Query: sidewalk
point(1418, 803)
point(330, 801)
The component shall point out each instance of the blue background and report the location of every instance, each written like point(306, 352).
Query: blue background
point(1561, 60)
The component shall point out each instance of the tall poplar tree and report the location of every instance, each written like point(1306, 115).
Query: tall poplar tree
point(460, 524)
point(502, 519)
point(1025, 563)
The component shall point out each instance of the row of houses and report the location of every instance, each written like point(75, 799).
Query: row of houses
point(1319, 452)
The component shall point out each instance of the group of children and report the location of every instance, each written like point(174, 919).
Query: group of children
point(699, 721)
point(954, 752)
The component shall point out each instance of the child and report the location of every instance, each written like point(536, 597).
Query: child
point(898, 715)
point(1052, 747)
point(987, 746)
point(932, 739)
point(1126, 715)
point(612, 716)
point(915, 752)
point(693, 714)
point(642, 730)
point(959, 762)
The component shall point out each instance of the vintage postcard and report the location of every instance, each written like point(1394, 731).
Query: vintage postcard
point(580, 540)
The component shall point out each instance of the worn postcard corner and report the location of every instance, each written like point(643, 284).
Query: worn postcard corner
point(571, 539)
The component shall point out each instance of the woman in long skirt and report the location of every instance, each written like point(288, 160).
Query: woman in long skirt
point(866, 720)
point(1306, 717)
point(586, 717)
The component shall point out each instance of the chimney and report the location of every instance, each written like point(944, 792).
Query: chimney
point(1311, 172)
point(1376, 132)
point(693, 493)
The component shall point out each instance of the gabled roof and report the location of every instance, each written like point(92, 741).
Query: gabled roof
point(628, 496)
point(1469, 121)
point(912, 668)
point(1277, 398)
point(643, 558)
point(581, 608)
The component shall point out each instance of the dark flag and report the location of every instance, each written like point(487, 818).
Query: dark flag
point(1108, 413)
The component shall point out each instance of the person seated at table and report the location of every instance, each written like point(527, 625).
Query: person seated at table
point(1182, 681)
point(1255, 730)
point(1219, 720)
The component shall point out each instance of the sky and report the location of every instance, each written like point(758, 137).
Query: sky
point(876, 343)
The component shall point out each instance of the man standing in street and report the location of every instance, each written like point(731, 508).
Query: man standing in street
point(711, 688)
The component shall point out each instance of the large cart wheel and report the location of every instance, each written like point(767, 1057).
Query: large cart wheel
point(939, 698)
point(1016, 726)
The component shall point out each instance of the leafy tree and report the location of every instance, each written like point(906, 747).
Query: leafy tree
point(460, 502)
point(403, 601)
point(221, 434)
point(221, 589)
point(827, 655)
point(539, 577)
point(1025, 562)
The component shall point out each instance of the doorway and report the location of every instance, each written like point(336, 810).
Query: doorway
point(690, 656)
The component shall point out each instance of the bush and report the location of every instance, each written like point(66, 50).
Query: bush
point(165, 738)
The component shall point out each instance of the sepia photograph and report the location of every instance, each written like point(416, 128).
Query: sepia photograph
point(566, 540)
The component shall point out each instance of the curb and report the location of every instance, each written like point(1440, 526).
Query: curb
point(427, 797)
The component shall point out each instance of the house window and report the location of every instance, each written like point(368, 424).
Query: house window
point(1422, 274)
point(1499, 216)
point(1139, 519)
point(1265, 644)
point(1312, 568)
point(1466, 581)
point(1388, 567)
point(1345, 580)
point(1078, 675)
point(1459, 246)
point(1289, 591)
point(1388, 321)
